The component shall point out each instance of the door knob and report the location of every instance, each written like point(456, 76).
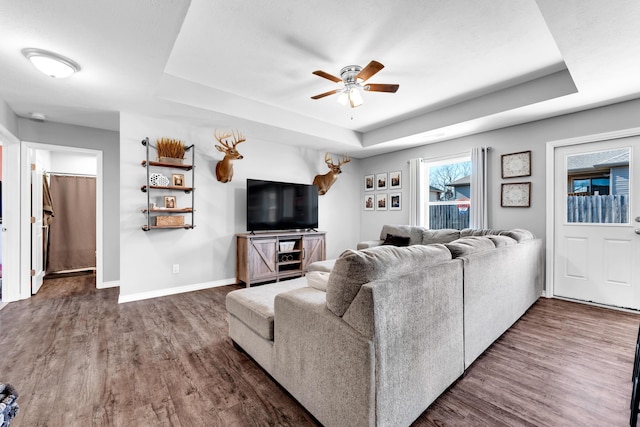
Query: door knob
point(637, 230)
point(638, 219)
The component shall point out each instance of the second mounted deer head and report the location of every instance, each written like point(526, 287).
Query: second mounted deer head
point(324, 182)
point(224, 168)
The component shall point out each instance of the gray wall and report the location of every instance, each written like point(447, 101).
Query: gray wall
point(532, 136)
point(8, 118)
point(206, 254)
point(95, 139)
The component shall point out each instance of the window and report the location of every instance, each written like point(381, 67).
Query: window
point(449, 200)
point(598, 187)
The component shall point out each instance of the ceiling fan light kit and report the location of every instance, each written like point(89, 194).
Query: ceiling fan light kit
point(50, 63)
point(352, 78)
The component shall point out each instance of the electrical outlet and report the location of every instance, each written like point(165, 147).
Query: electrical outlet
point(176, 268)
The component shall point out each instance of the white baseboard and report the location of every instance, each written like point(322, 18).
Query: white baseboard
point(173, 291)
point(111, 284)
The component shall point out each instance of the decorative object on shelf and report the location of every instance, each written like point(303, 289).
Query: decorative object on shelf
point(177, 180)
point(395, 180)
point(369, 202)
point(381, 202)
point(174, 220)
point(224, 168)
point(287, 246)
point(381, 181)
point(170, 202)
point(517, 194)
point(516, 164)
point(170, 150)
point(395, 201)
point(369, 183)
point(324, 182)
point(158, 180)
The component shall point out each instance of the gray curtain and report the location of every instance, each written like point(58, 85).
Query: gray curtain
point(72, 235)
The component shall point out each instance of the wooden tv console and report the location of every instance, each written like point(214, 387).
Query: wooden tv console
point(264, 257)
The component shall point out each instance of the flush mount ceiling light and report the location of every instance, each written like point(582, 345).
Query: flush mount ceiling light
point(352, 80)
point(51, 63)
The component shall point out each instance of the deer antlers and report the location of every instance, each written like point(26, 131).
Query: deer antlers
point(329, 161)
point(237, 139)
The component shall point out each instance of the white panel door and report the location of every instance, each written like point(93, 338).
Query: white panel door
point(37, 263)
point(597, 245)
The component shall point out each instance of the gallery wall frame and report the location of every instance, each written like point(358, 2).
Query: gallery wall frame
point(515, 195)
point(381, 202)
point(395, 180)
point(369, 182)
point(395, 201)
point(381, 181)
point(515, 165)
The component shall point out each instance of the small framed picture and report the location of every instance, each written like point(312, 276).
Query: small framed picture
point(381, 181)
point(170, 202)
point(177, 180)
point(395, 180)
point(369, 202)
point(516, 195)
point(395, 201)
point(516, 164)
point(381, 201)
point(369, 183)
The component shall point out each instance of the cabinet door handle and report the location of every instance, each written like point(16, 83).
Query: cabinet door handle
point(303, 253)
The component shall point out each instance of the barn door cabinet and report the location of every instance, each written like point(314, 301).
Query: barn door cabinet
point(162, 217)
point(269, 257)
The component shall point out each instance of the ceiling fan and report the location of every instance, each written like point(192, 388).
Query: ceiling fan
point(353, 78)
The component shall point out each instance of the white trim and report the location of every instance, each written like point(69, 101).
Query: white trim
point(11, 217)
point(550, 217)
point(173, 291)
point(111, 284)
point(25, 280)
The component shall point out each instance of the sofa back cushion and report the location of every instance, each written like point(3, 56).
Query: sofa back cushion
point(444, 235)
point(414, 233)
point(519, 234)
point(470, 245)
point(355, 268)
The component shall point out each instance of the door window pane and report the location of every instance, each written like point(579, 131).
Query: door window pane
point(598, 187)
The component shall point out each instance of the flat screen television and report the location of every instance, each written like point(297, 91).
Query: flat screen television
point(273, 205)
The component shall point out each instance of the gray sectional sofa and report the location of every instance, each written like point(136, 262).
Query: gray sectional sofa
point(377, 339)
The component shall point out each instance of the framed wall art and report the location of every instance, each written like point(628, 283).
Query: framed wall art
point(369, 202)
point(170, 202)
point(177, 180)
point(381, 201)
point(369, 182)
point(516, 195)
point(395, 180)
point(516, 164)
point(381, 181)
point(395, 201)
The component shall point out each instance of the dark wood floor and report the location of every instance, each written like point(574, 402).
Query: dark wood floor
point(80, 359)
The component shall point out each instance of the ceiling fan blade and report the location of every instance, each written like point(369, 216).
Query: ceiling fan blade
point(327, 76)
point(368, 71)
point(380, 87)
point(322, 95)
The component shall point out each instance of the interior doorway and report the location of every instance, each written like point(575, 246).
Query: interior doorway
point(595, 225)
point(67, 161)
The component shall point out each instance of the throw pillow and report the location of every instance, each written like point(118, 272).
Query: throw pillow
point(394, 240)
point(318, 280)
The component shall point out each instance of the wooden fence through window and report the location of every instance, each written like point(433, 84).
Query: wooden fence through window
point(605, 209)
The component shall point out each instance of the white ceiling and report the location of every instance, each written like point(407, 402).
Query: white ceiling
point(463, 66)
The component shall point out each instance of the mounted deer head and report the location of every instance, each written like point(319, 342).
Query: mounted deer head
point(324, 182)
point(224, 168)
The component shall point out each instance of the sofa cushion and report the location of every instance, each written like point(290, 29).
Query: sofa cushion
point(469, 245)
point(479, 232)
point(254, 306)
point(355, 268)
point(519, 234)
point(394, 240)
point(325, 266)
point(413, 232)
point(444, 235)
point(318, 280)
point(500, 241)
